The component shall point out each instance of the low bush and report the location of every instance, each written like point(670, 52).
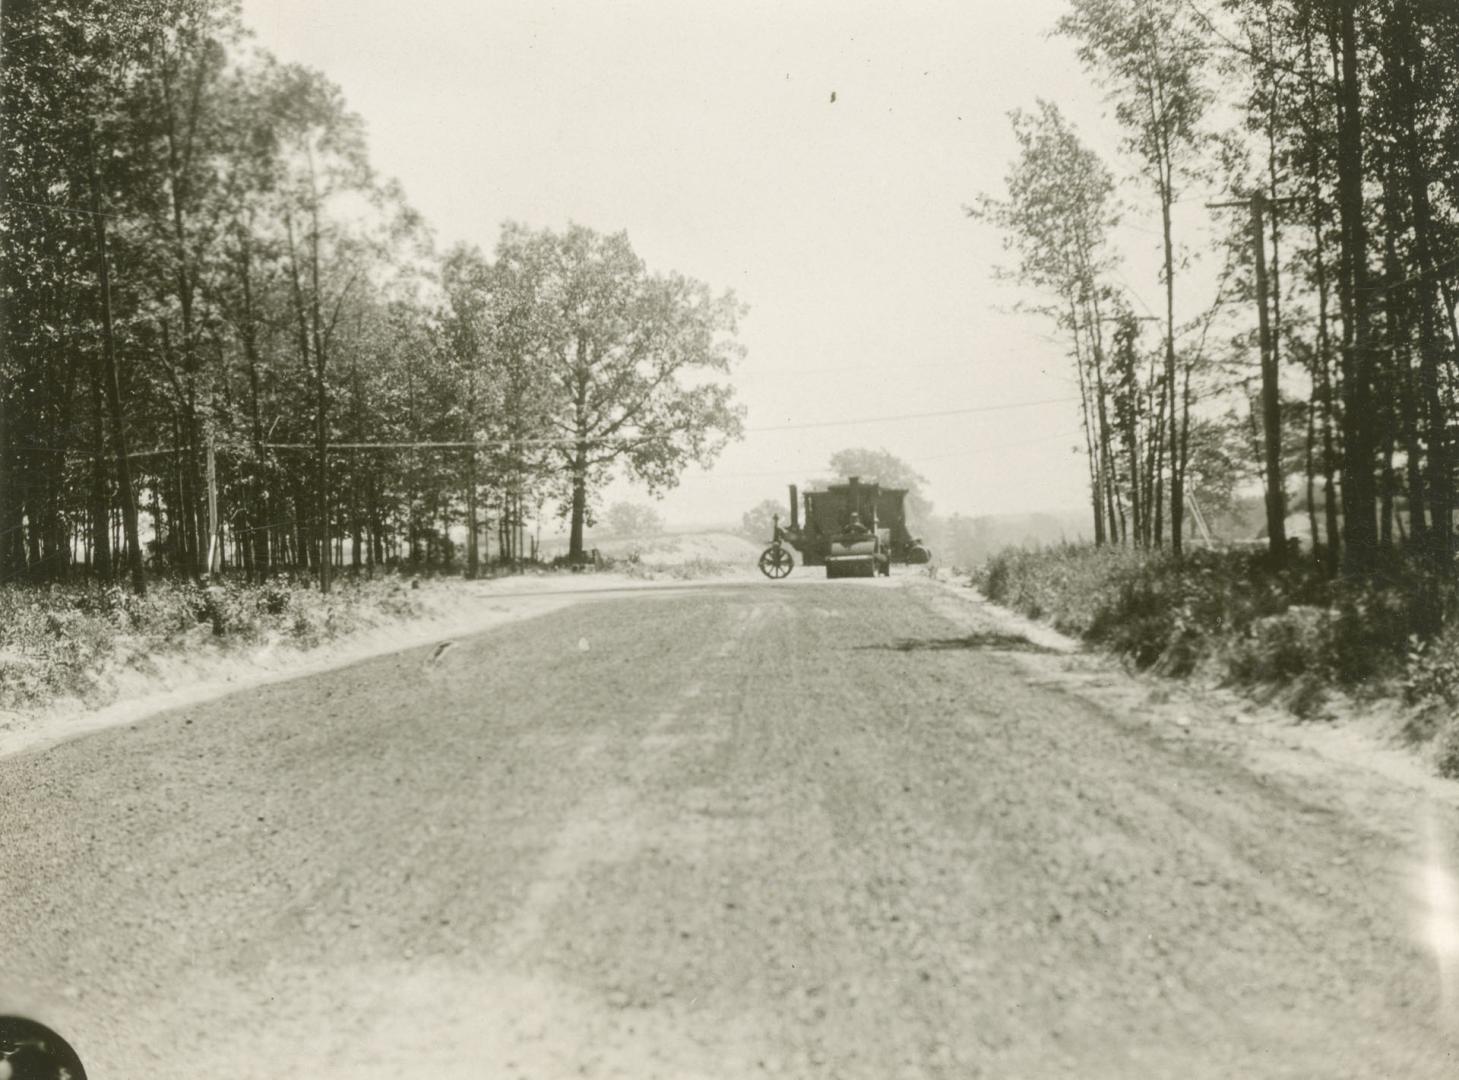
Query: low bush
point(691, 569)
point(68, 642)
point(698, 567)
point(1446, 760)
point(1229, 613)
point(1063, 585)
point(1431, 688)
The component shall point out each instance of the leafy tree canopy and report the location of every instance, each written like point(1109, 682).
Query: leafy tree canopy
point(758, 522)
point(627, 360)
point(888, 470)
point(632, 519)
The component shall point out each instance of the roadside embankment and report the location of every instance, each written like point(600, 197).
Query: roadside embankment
point(1319, 648)
point(77, 659)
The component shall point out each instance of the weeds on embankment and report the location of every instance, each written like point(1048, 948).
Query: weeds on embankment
point(70, 645)
point(62, 642)
point(635, 566)
point(1230, 616)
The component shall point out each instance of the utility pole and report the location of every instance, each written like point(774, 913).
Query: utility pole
point(321, 438)
point(213, 525)
point(113, 383)
point(1271, 402)
point(473, 554)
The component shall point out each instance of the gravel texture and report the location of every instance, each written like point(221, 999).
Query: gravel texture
point(804, 829)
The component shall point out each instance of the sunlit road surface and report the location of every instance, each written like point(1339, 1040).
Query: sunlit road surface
point(808, 829)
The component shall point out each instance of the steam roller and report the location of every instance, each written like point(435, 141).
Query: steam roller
point(855, 529)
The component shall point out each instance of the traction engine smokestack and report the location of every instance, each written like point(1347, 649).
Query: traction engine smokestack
point(794, 507)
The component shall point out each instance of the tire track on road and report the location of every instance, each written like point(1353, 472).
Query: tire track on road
point(815, 831)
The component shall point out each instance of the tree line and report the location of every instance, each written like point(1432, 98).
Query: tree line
point(1318, 136)
point(228, 341)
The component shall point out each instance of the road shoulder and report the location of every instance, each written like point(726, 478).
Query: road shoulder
point(1360, 750)
point(193, 677)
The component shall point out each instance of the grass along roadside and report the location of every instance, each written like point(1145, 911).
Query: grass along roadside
point(1316, 647)
point(78, 646)
point(65, 650)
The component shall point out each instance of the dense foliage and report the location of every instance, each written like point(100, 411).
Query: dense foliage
point(1319, 135)
point(228, 341)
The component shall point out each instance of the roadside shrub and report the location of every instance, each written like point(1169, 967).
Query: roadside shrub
point(1375, 625)
point(637, 571)
point(994, 576)
point(1446, 761)
point(273, 597)
point(1066, 585)
point(1226, 612)
point(65, 641)
point(305, 628)
point(697, 567)
point(1282, 647)
point(685, 570)
point(1431, 688)
point(48, 648)
point(399, 602)
point(1431, 675)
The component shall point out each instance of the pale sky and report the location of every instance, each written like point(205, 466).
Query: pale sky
point(707, 131)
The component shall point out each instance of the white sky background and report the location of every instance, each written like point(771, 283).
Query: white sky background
point(706, 130)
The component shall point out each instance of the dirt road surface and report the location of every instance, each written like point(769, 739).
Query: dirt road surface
point(845, 829)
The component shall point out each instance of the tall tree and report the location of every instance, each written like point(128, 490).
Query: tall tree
point(631, 358)
point(1151, 54)
point(1359, 491)
point(1057, 217)
point(464, 279)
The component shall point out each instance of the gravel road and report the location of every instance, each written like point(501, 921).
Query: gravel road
point(847, 829)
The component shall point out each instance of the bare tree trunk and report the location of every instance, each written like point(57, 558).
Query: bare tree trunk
point(1402, 414)
point(1328, 396)
point(113, 386)
point(1106, 457)
point(1310, 465)
point(1157, 468)
point(100, 495)
point(579, 502)
point(1177, 489)
point(1090, 443)
point(1440, 480)
point(1360, 533)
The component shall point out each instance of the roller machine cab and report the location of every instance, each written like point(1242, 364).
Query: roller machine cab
point(853, 529)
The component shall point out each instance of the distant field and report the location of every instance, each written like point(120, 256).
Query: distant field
point(674, 549)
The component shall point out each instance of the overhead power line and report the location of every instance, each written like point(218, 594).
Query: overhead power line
point(638, 439)
point(8, 201)
point(913, 416)
point(912, 459)
point(632, 440)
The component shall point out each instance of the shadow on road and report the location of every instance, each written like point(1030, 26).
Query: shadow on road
point(1010, 642)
